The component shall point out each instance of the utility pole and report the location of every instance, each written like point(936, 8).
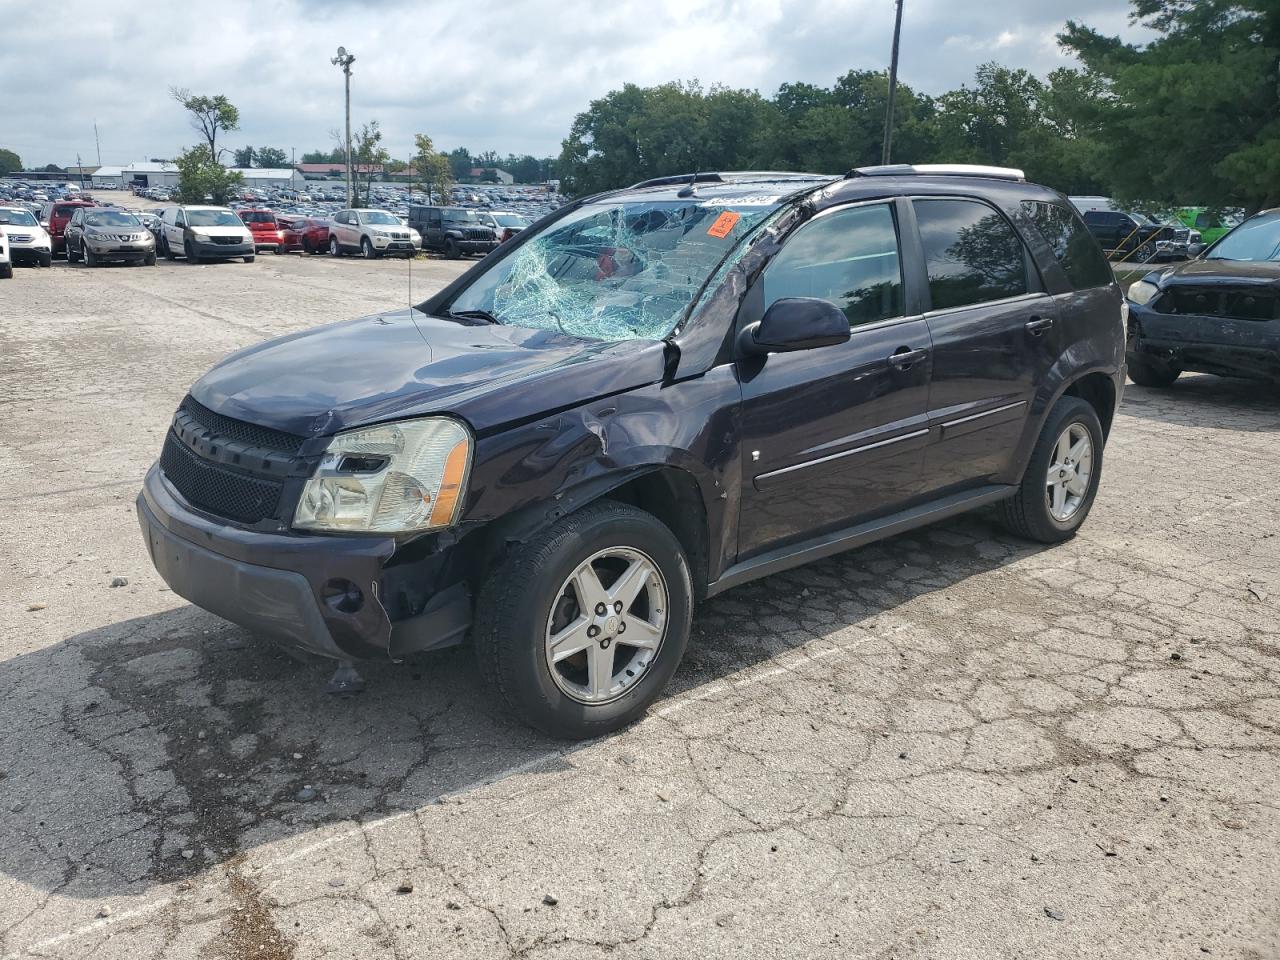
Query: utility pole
point(893, 86)
point(96, 143)
point(344, 60)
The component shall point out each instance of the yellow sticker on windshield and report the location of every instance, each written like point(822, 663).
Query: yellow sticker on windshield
point(724, 223)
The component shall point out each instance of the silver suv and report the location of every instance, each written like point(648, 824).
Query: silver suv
point(371, 233)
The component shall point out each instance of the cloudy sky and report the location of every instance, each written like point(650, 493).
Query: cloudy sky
point(507, 75)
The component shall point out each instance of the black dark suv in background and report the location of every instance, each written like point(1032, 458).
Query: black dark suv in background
point(1135, 237)
point(651, 397)
point(453, 231)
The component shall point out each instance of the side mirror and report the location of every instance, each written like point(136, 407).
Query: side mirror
point(795, 323)
point(1194, 250)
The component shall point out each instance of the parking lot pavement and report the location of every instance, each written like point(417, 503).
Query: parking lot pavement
point(952, 744)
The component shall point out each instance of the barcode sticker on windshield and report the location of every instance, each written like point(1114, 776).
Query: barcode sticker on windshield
point(724, 223)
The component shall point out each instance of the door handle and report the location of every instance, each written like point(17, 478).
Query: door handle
point(904, 357)
point(1038, 325)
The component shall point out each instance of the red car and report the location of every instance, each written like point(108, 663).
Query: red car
point(264, 227)
point(55, 214)
point(308, 234)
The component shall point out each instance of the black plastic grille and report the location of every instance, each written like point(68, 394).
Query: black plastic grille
point(1214, 302)
point(249, 433)
point(215, 488)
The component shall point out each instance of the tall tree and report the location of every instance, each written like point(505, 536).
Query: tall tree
point(201, 180)
point(1194, 115)
point(209, 116)
point(243, 157)
point(367, 152)
point(272, 157)
point(435, 169)
point(10, 162)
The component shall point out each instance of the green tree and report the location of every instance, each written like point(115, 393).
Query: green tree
point(367, 152)
point(272, 158)
point(1194, 115)
point(10, 162)
point(243, 157)
point(336, 155)
point(53, 168)
point(201, 180)
point(435, 169)
point(209, 116)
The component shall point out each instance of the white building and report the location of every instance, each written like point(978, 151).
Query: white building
point(266, 178)
point(108, 178)
point(150, 174)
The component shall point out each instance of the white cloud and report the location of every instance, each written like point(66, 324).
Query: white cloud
point(496, 74)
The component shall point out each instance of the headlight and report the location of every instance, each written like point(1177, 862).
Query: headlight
point(391, 478)
point(202, 237)
point(1142, 291)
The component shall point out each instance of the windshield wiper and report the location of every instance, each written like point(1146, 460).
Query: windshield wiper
point(484, 315)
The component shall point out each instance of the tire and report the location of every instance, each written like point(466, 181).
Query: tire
point(1152, 373)
point(71, 256)
point(519, 604)
point(168, 251)
point(46, 260)
point(451, 249)
point(334, 249)
point(90, 258)
point(149, 260)
point(189, 252)
point(366, 249)
point(6, 271)
point(249, 258)
point(1028, 513)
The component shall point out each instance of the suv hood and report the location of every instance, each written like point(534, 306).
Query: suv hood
point(407, 363)
point(1220, 273)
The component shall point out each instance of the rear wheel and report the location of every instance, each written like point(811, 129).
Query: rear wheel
point(583, 625)
point(1061, 480)
point(1152, 373)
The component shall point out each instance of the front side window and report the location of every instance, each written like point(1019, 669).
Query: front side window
point(1079, 254)
point(849, 257)
point(614, 270)
point(971, 252)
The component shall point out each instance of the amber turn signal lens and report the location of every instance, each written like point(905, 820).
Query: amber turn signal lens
point(455, 470)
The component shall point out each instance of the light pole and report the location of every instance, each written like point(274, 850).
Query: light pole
point(344, 60)
point(893, 87)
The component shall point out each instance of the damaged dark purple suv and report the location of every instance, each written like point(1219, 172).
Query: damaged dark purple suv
point(650, 397)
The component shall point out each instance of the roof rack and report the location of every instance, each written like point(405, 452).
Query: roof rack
point(727, 177)
point(938, 170)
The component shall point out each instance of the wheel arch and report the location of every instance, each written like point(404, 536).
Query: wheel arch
point(1099, 391)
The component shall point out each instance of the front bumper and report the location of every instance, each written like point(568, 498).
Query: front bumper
point(207, 248)
point(28, 253)
point(387, 245)
point(126, 252)
point(321, 594)
point(1205, 344)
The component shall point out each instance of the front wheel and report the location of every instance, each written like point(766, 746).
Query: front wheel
point(451, 249)
point(90, 258)
point(168, 251)
point(584, 624)
point(46, 259)
point(1061, 480)
point(334, 249)
point(150, 259)
point(71, 255)
point(1152, 373)
point(249, 258)
point(366, 249)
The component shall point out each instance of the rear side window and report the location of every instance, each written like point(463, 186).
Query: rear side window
point(971, 252)
point(849, 257)
point(1074, 246)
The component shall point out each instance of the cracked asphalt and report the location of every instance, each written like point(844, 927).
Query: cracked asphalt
point(949, 745)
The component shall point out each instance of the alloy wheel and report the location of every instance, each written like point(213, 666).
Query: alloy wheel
point(1070, 469)
point(606, 625)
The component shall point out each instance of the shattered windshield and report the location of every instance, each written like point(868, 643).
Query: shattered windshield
point(618, 270)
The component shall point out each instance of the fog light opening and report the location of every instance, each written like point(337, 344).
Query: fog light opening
point(343, 595)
